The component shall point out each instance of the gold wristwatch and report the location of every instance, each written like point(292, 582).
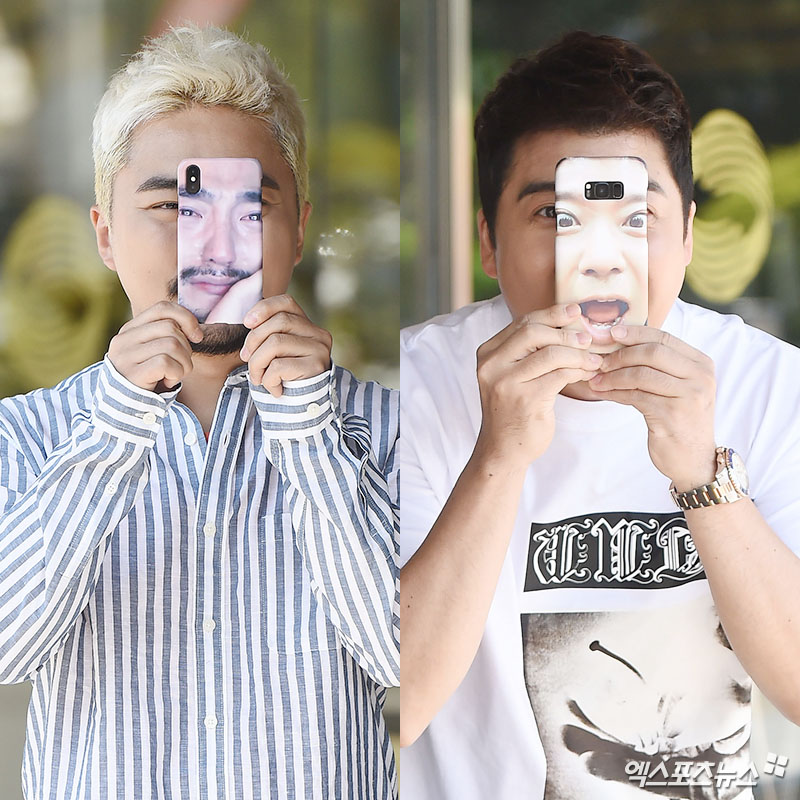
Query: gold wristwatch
point(729, 485)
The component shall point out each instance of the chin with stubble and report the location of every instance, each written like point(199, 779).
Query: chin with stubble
point(219, 339)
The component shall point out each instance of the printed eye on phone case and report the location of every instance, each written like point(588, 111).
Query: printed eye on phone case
point(220, 244)
point(601, 243)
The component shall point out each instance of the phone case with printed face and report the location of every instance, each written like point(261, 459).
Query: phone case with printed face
point(220, 244)
point(601, 244)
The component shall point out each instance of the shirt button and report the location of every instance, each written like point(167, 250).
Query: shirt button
point(111, 488)
point(190, 438)
point(313, 408)
point(209, 529)
point(211, 721)
point(209, 625)
point(149, 418)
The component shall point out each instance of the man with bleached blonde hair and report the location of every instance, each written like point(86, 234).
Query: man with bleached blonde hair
point(197, 534)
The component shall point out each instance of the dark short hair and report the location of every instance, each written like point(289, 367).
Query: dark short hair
point(585, 83)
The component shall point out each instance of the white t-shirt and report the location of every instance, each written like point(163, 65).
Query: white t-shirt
point(603, 671)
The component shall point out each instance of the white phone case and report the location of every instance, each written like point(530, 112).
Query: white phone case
point(601, 243)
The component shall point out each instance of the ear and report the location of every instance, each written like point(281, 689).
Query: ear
point(102, 230)
point(688, 240)
point(488, 250)
point(301, 232)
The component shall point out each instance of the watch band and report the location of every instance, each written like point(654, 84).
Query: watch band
point(711, 494)
point(722, 489)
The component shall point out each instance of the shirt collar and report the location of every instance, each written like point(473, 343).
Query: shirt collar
point(237, 375)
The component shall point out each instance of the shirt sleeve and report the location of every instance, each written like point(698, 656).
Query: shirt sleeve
point(344, 503)
point(425, 447)
point(56, 517)
point(773, 457)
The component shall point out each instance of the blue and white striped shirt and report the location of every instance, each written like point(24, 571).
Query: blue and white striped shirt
point(201, 620)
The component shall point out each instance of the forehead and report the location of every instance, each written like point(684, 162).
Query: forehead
point(575, 171)
point(158, 146)
point(536, 155)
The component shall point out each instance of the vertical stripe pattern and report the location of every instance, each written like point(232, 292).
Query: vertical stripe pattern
point(201, 619)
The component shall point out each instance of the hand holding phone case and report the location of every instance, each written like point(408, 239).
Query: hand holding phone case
point(601, 243)
point(220, 243)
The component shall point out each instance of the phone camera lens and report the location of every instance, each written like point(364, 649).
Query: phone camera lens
point(192, 179)
point(602, 190)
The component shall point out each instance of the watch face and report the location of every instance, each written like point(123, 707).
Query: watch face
point(738, 473)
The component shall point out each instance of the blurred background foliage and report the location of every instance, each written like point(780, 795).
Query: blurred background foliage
point(59, 305)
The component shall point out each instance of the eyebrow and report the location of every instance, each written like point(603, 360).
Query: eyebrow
point(627, 199)
point(204, 194)
point(200, 194)
point(268, 182)
point(157, 182)
point(534, 187)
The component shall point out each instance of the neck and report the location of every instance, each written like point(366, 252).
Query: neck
point(201, 387)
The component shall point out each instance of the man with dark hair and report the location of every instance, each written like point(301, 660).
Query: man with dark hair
point(568, 87)
point(588, 586)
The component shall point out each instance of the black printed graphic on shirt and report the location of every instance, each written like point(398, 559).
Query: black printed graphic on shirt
point(639, 703)
point(612, 551)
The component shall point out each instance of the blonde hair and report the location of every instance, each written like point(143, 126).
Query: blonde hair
point(193, 65)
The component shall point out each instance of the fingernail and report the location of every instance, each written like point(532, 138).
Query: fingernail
point(595, 359)
point(583, 337)
point(573, 309)
point(619, 331)
point(197, 336)
point(249, 319)
point(244, 353)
